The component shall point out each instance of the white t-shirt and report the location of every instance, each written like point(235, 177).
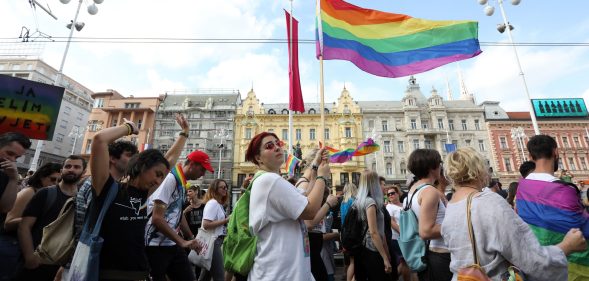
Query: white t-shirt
point(283, 251)
point(171, 195)
point(214, 212)
point(541, 177)
point(394, 212)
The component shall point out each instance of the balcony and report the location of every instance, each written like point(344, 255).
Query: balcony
point(425, 131)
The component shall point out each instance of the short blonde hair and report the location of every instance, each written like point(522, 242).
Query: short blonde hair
point(465, 166)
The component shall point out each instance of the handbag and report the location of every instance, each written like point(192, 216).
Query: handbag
point(204, 257)
point(85, 264)
point(58, 242)
point(473, 272)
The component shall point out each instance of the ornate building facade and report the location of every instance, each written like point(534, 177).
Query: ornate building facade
point(343, 129)
point(509, 133)
point(400, 127)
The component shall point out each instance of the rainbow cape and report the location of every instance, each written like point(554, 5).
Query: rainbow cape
point(551, 209)
point(291, 163)
point(342, 156)
point(391, 45)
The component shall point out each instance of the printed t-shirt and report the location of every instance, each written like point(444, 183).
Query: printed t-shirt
point(194, 218)
point(172, 195)
point(283, 251)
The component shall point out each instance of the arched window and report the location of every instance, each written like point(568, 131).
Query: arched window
point(271, 111)
point(285, 111)
point(312, 111)
point(389, 169)
point(326, 110)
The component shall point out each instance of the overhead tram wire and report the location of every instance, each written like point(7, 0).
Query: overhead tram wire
point(165, 40)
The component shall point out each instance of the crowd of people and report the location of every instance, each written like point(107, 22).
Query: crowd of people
point(537, 228)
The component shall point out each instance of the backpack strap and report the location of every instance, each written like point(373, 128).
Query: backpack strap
point(50, 199)
point(408, 206)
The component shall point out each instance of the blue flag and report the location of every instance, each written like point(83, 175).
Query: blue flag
point(450, 147)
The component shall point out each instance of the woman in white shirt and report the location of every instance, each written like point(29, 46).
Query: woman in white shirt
point(214, 219)
point(278, 210)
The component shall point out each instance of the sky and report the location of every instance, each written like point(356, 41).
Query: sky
point(142, 69)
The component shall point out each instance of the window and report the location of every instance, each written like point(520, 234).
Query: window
point(67, 110)
point(565, 142)
point(560, 165)
point(572, 164)
point(428, 144)
point(284, 134)
point(401, 146)
point(312, 134)
point(240, 179)
point(16, 66)
point(326, 133)
point(139, 124)
point(503, 143)
point(298, 134)
point(587, 140)
point(477, 126)
point(59, 137)
point(132, 105)
point(389, 169)
point(583, 163)
point(507, 164)
point(481, 145)
point(272, 112)
point(451, 125)
point(271, 130)
point(413, 124)
point(370, 124)
point(344, 178)
point(403, 168)
point(134, 140)
point(415, 144)
point(248, 133)
point(99, 102)
point(576, 141)
point(467, 142)
point(63, 124)
point(425, 124)
point(88, 146)
point(463, 124)
point(440, 123)
point(93, 125)
point(443, 145)
point(387, 146)
point(385, 125)
point(114, 123)
point(348, 132)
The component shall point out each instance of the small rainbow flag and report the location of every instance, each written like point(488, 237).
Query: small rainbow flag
point(391, 45)
point(342, 156)
point(291, 163)
point(179, 175)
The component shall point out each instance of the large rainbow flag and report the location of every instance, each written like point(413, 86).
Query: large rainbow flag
point(342, 156)
point(551, 209)
point(391, 45)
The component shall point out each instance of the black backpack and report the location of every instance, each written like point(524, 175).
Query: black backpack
point(353, 232)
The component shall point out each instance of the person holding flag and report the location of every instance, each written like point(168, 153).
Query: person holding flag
point(164, 247)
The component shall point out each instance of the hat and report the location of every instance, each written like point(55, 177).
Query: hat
point(198, 156)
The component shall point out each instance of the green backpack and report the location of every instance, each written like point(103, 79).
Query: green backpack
point(239, 246)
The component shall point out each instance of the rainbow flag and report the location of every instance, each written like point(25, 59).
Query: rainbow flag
point(291, 163)
point(551, 209)
point(391, 45)
point(342, 156)
point(179, 175)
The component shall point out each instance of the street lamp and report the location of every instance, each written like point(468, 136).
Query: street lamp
point(505, 26)
point(221, 135)
point(92, 9)
point(75, 133)
point(519, 134)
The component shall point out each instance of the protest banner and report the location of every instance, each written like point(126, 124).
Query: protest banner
point(29, 107)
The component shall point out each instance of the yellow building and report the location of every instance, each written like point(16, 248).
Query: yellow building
point(343, 129)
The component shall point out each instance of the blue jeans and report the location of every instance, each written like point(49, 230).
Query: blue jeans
point(10, 256)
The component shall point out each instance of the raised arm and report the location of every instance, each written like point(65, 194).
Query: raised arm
point(307, 181)
point(316, 194)
point(99, 159)
point(174, 153)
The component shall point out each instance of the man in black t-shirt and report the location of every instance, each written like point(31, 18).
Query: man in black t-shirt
point(40, 212)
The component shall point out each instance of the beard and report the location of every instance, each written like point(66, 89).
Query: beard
point(70, 178)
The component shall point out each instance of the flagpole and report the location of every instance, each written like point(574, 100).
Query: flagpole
point(291, 69)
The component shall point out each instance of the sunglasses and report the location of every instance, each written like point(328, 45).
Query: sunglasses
point(273, 144)
point(223, 187)
point(391, 193)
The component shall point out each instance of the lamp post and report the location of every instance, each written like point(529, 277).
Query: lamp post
point(92, 9)
point(76, 133)
point(519, 134)
point(505, 26)
point(221, 135)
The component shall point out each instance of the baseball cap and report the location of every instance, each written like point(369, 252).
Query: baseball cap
point(198, 156)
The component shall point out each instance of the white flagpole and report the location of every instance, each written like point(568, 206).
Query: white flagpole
point(291, 69)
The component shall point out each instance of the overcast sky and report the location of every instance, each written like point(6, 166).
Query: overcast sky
point(142, 69)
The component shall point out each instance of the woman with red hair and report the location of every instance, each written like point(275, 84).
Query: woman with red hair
point(278, 211)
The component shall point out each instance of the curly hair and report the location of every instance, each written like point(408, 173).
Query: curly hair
point(46, 170)
point(466, 166)
point(117, 148)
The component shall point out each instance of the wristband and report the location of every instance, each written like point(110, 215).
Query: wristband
point(328, 205)
point(183, 134)
point(129, 129)
point(323, 178)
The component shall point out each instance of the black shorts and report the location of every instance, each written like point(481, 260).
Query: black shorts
point(171, 261)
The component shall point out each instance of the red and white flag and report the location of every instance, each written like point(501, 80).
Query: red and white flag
point(295, 94)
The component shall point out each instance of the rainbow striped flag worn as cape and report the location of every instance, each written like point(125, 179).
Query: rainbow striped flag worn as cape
point(391, 45)
point(551, 209)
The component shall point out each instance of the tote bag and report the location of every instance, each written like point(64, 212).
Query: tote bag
point(204, 257)
point(58, 242)
point(85, 264)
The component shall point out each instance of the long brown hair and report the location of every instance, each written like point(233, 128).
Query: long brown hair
point(213, 192)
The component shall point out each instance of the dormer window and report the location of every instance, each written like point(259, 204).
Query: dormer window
point(285, 111)
point(271, 111)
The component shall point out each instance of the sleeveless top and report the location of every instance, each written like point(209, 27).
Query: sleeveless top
point(434, 243)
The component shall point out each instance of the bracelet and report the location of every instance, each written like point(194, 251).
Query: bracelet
point(328, 205)
point(183, 134)
point(129, 129)
point(304, 178)
point(323, 178)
